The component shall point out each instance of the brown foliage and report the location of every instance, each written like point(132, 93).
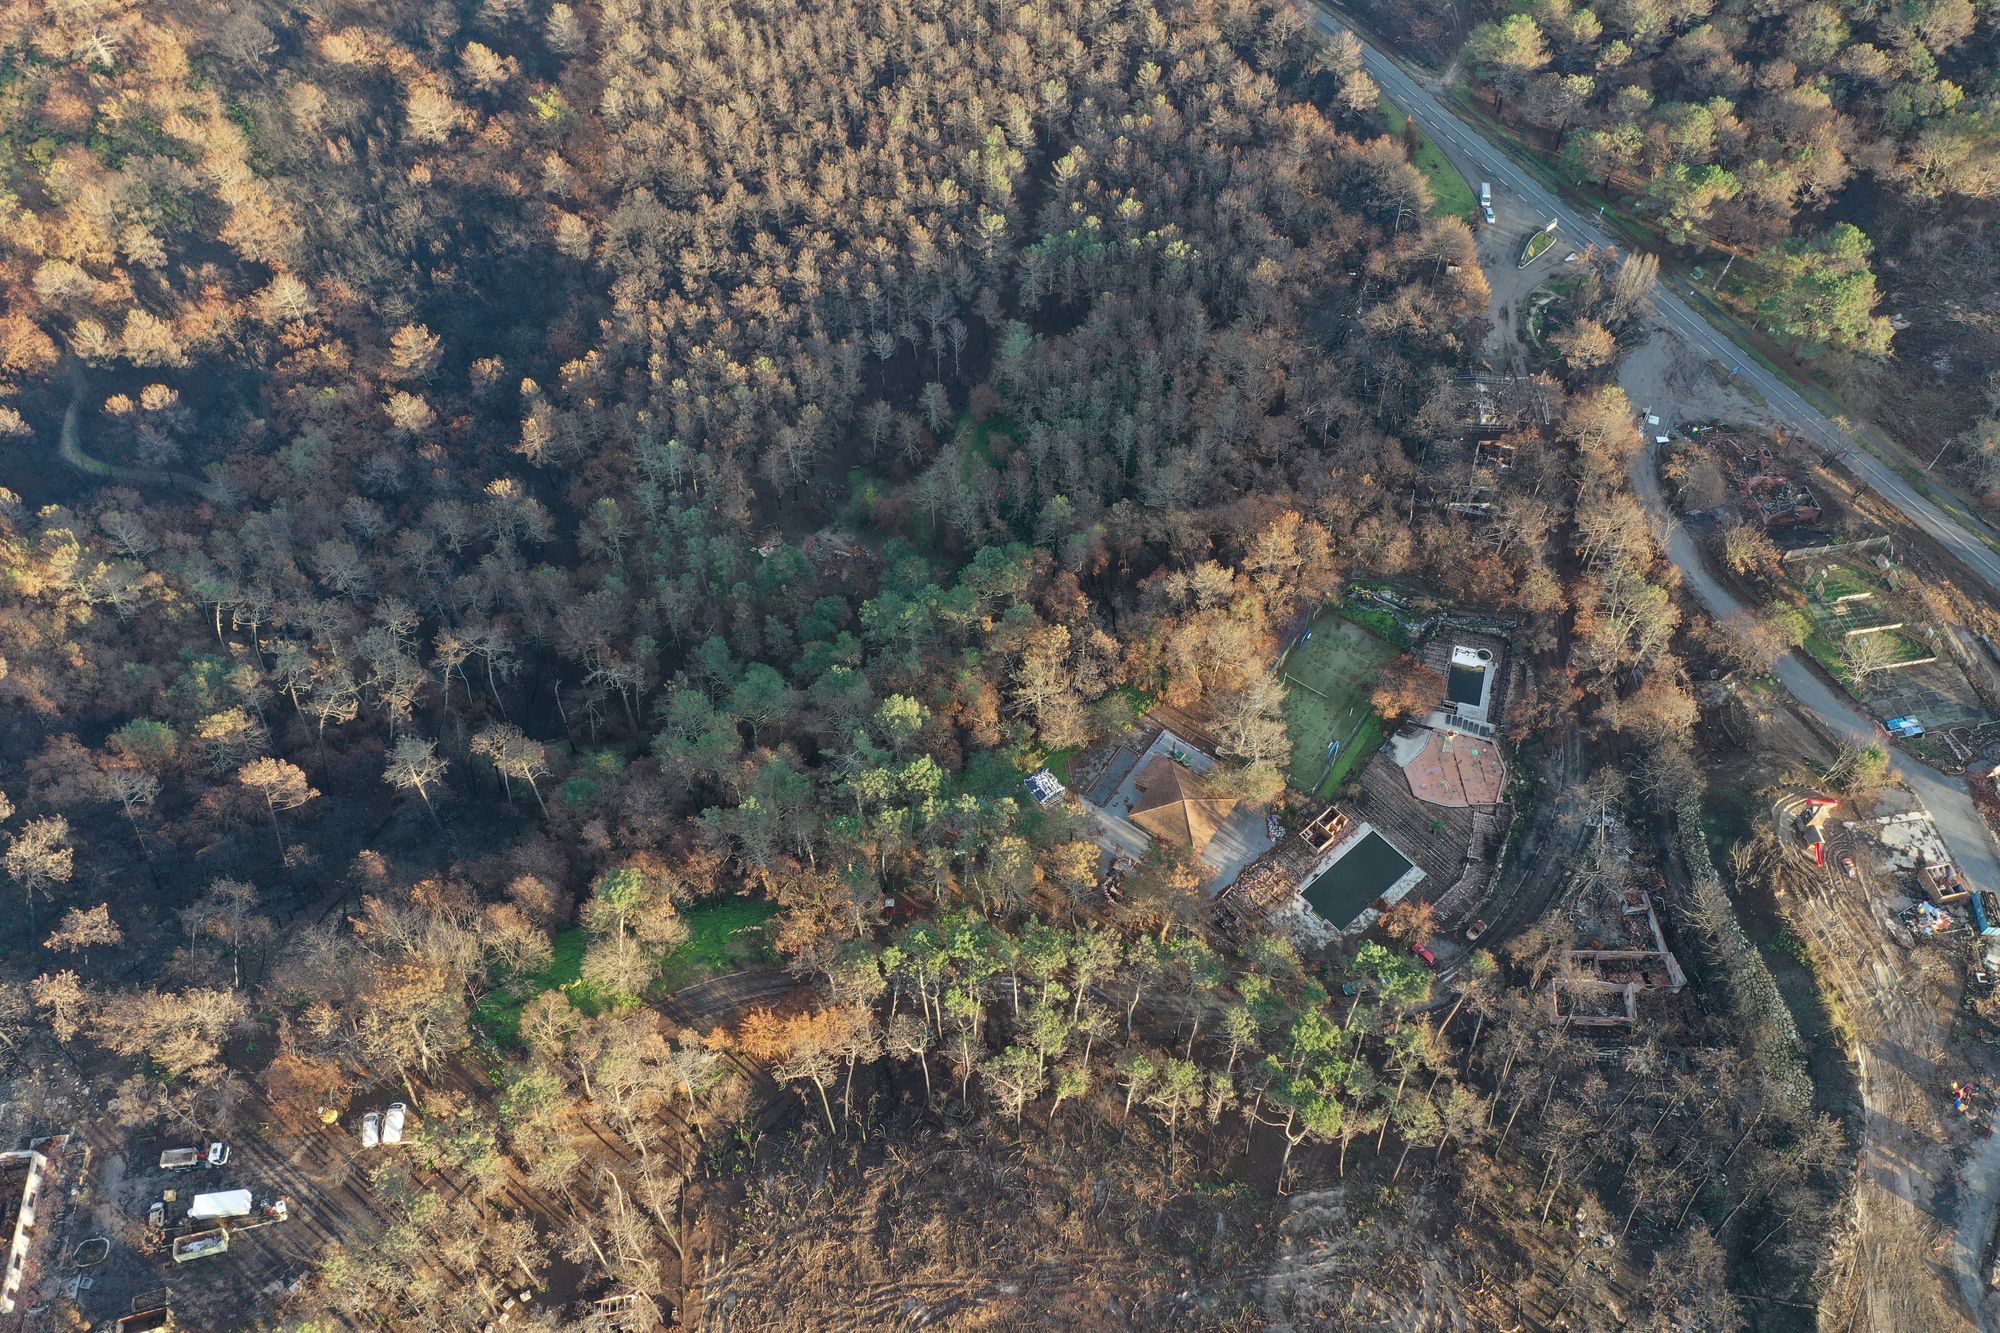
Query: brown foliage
point(1408, 688)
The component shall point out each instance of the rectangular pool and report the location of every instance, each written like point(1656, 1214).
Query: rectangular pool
point(1342, 890)
point(1465, 685)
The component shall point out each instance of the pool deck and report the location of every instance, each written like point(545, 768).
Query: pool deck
point(1389, 897)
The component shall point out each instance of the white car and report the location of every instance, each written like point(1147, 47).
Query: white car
point(218, 1154)
point(371, 1129)
point(392, 1123)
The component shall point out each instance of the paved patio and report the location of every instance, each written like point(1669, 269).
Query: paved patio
point(1455, 770)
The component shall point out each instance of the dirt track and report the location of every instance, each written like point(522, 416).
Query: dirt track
point(1899, 1272)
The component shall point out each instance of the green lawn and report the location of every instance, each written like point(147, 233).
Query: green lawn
point(500, 1012)
point(1328, 680)
point(723, 935)
point(1451, 196)
point(1367, 739)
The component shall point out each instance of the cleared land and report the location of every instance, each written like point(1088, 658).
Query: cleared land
point(1848, 597)
point(1451, 195)
point(723, 934)
point(1328, 679)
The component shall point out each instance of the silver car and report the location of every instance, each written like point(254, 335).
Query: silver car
point(371, 1129)
point(392, 1123)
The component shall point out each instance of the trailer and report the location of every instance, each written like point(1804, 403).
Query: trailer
point(201, 1245)
point(222, 1203)
point(173, 1159)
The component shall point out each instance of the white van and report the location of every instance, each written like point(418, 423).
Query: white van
point(1486, 201)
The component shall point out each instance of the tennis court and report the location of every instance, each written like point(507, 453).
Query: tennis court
point(1329, 675)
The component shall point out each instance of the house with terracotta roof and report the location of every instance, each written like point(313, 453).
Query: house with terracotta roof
point(1153, 789)
point(1175, 805)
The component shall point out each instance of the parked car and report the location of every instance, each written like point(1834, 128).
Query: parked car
point(1354, 987)
point(218, 1154)
point(156, 1216)
point(371, 1130)
point(1847, 864)
point(1424, 955)
point(392, 1123)
point(1474, 931)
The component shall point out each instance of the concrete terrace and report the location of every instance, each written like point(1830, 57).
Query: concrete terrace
point(1437, 837)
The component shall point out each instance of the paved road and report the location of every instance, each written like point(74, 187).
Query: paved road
point(1481, 160)
point(1958, 824)
point(1950, 806)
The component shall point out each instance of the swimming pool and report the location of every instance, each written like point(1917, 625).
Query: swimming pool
point(1466, 685)
point(1364, 873)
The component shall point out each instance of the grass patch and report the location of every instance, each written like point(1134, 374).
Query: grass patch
point(1910, 648)
point(1838, 585)
point(1538, 245)
point(1367, 739)
point(500, 1012)
point(979, 435)
point(723, 936)
point(1058, 762)
point(1380, 621)
point(1451, 194)
point(1138, 700)
point(1328, 679)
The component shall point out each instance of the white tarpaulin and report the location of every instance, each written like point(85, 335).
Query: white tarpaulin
point(223, 1203)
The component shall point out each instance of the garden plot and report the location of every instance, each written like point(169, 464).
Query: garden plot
point(1853, 604)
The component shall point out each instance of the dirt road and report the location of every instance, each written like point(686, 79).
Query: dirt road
point(69, 444)
point(1900, 1270)
point(1977, 1215)
point(1898, 1026)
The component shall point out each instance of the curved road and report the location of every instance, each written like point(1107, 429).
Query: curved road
point(1950, 806)
point(1480, 159)
point(1958, 823)
point(69, 446)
